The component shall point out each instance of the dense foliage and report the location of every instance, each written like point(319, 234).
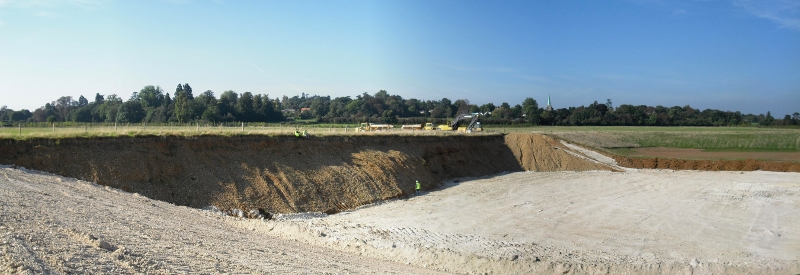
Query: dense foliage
point(152, 105)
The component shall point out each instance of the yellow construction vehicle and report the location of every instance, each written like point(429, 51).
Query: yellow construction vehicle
point(466, 123)
point(430, 126)
point(369, 127)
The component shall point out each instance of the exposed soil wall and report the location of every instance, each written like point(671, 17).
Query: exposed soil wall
point(707, 165)
point(286, 174)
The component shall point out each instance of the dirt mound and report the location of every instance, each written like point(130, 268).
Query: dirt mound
point(707, 165)
point(285, 174)
point(543, 153)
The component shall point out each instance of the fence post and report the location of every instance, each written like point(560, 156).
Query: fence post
point(20, 128)
point(54, 127)
point(242, 126)
point(115, 127)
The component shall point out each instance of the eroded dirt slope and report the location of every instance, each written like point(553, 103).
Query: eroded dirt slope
point(285, 174)
point(707, 165)
point(57, 225)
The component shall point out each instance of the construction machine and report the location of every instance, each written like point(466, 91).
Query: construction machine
point(369, 127)
point(412, 127)
point(430, 126)
point(465, 123)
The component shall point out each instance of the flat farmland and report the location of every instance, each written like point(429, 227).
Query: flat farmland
point(712, 143)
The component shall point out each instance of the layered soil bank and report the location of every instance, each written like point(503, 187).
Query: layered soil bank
point(286, 174)
point(707, 165)
point(700, 154)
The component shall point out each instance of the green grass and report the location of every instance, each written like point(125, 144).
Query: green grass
point(615, 139)
point(708, 138)
point(165, 130)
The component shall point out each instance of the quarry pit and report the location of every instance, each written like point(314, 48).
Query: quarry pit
point(503, 204)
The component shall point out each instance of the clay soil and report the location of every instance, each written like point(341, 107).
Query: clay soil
point(689, 153)
point(707, 165)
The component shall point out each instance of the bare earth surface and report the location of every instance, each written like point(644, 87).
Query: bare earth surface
point(690, 153)
point(55, 225)
point(595, 222)
point(644, 221)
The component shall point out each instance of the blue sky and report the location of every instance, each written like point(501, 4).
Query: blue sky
point(730, 55)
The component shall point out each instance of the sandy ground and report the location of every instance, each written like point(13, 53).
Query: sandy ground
point(595, 222)
point(640, 221)
point(55, 225)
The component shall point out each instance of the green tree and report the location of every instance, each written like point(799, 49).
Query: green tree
point(130, 112)
point(98, 98)
point(388, 117)
point(188, 91)
point(245, 107)
point(461, 106)
point(21, 115)
point(83, 114)
point(768, 119)
point(181, 105)
point(151, 96)
point(787, 120)
point(488, 107)
point(530, 108)
point(227, 103)
point(82, 101)
point(211, 114)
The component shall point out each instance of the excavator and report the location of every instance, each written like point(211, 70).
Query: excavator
point(469, 123)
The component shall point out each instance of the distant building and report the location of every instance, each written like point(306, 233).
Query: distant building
point(549, 107)
point(305, 109)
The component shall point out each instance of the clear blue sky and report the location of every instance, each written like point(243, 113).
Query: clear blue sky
point(730, 55)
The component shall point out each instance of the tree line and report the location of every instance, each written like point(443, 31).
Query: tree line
point(152, 105)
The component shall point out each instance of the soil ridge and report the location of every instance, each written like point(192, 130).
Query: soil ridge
point(279, 174)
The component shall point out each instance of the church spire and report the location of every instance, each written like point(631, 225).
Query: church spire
point(549, 107)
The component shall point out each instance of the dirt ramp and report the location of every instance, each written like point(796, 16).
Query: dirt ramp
point(286, 174)
point(536, 152)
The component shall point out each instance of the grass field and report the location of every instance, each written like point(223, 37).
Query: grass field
point(626, 140)
point(58, 132)
point(618, 140)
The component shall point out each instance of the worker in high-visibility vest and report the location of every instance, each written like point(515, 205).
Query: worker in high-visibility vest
point(297, 133)
point(418, 186)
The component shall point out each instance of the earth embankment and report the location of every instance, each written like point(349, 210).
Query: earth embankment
point(707, 165)
point(285, 174)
